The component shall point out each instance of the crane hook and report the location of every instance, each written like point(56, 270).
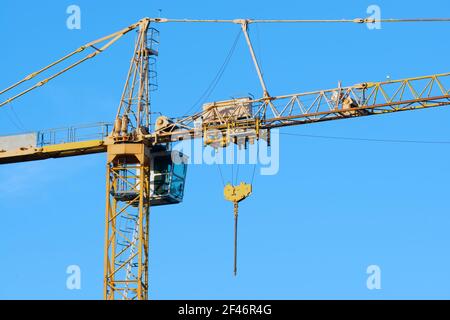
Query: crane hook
point(236, 194)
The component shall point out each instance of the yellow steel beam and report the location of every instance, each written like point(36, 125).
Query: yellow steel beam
point(53, 151)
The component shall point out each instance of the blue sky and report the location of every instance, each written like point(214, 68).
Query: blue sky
point(334, 208)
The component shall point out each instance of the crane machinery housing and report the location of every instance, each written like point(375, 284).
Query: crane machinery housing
point(141, 170)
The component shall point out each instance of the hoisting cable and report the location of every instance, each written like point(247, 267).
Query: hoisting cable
point(232, 173)
point(212, 86)
point(237, 171)
point(221, 175)
point(253, 174)
point(256, 162)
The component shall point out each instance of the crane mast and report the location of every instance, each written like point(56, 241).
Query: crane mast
point(127, 185)
point(139, 170)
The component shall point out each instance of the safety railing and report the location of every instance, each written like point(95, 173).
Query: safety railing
point(97, 131)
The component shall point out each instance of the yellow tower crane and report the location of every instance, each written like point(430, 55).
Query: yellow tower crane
point(141, 170)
